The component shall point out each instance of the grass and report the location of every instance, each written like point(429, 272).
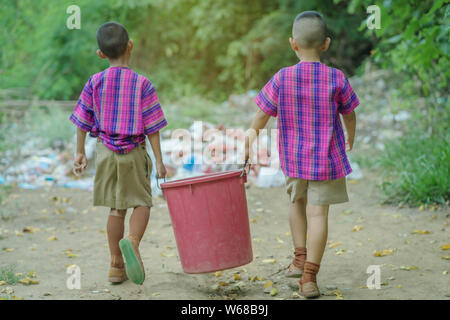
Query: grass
point(416, 170)
point(5, 215)
point(8, 274)
point(50, 124)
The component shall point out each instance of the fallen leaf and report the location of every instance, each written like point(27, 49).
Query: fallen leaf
point(445, 257)
point(253, 220)
point(338, 295)
point(279, 240)
point(2, 283)
point(446, 246)
point(445, 272)
point(357, 228)
point(223, 283)
point(336, 244)
point(408, 268)
point(52, 238)
point(155, 294)
point(259, 278)
point(8, 249)
point(218, 273)
point(421, 208)
point(273, 292)
point(236, 276)
point(421, 232)
point(382, 253)
point(18, 233)
point(28, 281)
point(269, 261)
point(399, 286)
point(32, 274)
point(268, 284)
point(340, 252)
point(30, 229)
point(16, 298)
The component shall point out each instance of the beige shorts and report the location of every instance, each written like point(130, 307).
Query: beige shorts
point(320, 193)
point(122, 180)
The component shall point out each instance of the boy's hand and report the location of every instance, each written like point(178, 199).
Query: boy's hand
point(161, 169)
point(79, 164)
point(348, 144)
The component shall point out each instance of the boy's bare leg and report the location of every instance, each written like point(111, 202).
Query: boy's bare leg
point(138, 222)
point(317, 217)
point(297, 222)
point(318, 232)
point(115, 228)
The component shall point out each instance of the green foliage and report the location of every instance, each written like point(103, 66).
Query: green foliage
point(187, 47)
point(8, 274)
point(413, 41)
point(416, 170)
point(49, 124)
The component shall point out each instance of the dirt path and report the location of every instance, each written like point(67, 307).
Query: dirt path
point(81, 239)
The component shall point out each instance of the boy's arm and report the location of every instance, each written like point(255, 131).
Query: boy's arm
point(259, 122)
point(80, 162)
point(350, 127)
point(156, 147)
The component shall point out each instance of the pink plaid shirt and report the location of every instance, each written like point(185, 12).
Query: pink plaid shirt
point(307, 99)
point(119, 106)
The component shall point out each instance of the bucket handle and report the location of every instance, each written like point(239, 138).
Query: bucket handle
point(244, 172)
point(157, 181)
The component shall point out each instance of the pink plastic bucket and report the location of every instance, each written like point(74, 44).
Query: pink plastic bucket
point(210, 221)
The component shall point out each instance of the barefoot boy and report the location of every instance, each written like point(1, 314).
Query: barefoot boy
point(307, 99)
point(120, 108)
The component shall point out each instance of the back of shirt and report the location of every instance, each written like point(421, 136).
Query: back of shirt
point(119, 106)
point(307, 99)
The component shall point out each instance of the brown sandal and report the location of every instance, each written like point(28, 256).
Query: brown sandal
point(117, 275)
point(308, 283)
point(295, 269)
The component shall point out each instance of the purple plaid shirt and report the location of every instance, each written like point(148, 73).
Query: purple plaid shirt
point(307, 99)
point(120, 107)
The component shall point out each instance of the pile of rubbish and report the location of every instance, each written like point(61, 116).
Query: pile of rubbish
point(50, 167)
point(203, 148)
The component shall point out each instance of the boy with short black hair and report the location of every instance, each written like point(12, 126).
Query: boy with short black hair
point(120, 108)
point(307, 100)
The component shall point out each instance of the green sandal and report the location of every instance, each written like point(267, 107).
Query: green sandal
point(133, 263)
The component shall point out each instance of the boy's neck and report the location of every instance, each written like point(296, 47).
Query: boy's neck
point(308, 56)
point(119, 62)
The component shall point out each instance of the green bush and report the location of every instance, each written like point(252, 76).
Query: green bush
point(186, 47)
point(416, 170)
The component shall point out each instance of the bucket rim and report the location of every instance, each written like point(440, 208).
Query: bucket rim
point(201, 179)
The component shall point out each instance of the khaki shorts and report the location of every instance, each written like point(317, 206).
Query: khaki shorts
point(319, 193)
point(122, 180)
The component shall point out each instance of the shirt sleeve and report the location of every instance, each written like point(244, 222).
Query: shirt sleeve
point(152, 114)
point(83, 114)
point(267, 98)
point(348, 100)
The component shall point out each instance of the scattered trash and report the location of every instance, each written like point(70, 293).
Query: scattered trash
point(356, 173)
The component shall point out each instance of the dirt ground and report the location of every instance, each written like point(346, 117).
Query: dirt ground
point(71, 231)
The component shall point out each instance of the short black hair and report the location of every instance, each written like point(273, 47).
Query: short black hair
point(309, 29)
point(112, 39)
